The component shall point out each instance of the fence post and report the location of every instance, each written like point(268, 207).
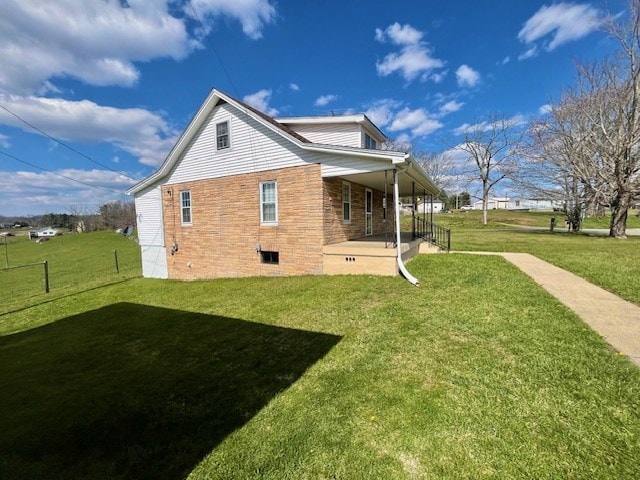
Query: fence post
point(115, 256)
point(46, 276)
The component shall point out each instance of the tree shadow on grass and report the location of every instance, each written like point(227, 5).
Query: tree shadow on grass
point(134, 391)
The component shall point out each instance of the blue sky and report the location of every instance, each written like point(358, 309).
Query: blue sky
point(116, 81)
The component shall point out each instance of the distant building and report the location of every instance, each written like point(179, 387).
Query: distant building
point(425, 207)
point(518, 203)
point(493, 203)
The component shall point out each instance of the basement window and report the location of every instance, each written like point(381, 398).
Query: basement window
point(270, 257)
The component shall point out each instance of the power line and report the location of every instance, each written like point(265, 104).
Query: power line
point(63, 144)
point(60, 175)
point(215, 51)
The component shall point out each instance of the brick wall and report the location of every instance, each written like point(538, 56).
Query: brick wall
point(335, 230)
point(225, 229)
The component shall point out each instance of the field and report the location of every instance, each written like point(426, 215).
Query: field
point(478, 373)
point(76, 262)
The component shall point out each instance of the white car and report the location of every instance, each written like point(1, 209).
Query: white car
point(466, 207)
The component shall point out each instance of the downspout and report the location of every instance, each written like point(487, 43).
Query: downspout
point(396, 199)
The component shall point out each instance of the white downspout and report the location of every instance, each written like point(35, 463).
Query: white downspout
point(403, 270)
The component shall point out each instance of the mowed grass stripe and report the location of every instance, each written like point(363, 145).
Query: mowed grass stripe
point(477, 373)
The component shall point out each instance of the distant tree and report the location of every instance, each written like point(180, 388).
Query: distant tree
point(492, 147)
point(118, 214)
point(438, 166)
point(464, 199)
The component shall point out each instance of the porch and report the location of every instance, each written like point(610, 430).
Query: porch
point(374, 255)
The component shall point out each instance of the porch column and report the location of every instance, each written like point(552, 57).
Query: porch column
point(431, 198)
point(413, 210)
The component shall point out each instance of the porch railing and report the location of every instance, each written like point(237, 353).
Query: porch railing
point(432, 233)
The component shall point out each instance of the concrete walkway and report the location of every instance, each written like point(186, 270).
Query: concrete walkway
point(617, 320)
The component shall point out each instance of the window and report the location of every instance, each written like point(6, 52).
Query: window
point(369, 142)
point(185, 207)
point(346, 202)
point(222, 135)
point(270, 257)
point(268, 203)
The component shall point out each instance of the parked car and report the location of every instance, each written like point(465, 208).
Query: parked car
point(466, 207)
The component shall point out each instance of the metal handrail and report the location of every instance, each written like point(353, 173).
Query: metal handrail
point(433, 233)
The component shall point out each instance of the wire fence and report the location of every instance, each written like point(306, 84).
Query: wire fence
point(22, 286)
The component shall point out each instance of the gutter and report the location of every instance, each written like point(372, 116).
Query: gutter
point(403, 270)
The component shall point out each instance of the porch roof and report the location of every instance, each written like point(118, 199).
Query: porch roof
point(409, 180)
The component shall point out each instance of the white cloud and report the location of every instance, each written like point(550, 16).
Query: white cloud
point(562, 22)
point(414, 58)
point(260, 100)
point(450, 107)
point(252, 14)
point(4, 141)
point(403, 138)
point(544, 109)
point(505, 60)
point(324, 100)
point(467, 76)
point(439, 76)
point(140, 132)
point(294, 87)
point(417, 121)
point(99, 41)
point(38, 192)
point(484, 126)
point(381, 112)
point(94, 41)
point(399, 34)
point(529, 53)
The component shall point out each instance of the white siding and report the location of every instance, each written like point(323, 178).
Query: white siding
point(375, 135)
point(254, 147)
point(334, 166)
point(154, 262)
point(150, 232)
point(345, 135)
point(149, 217)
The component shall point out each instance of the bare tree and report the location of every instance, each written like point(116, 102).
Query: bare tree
point(593, 134)
point(439, 166)
point(492, 147)
point(553, 156)
point(118, 214)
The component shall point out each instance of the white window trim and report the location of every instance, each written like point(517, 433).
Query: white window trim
point(345, 220)
point(190, 222)
point(269, 223)
point(371, 140)
point(228, 135)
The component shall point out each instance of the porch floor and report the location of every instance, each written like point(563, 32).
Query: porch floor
point(368, 255)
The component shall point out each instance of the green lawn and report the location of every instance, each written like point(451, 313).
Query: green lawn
point(611, 263)
point(76, 262)
point(478, 373)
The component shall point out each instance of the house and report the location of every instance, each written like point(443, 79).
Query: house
point(47, 232)
point(492, 203)
point(244, 194)
point(424, 207)
point(519, 203)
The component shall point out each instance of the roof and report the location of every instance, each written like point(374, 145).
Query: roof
point(360, 118)
point(216, 97)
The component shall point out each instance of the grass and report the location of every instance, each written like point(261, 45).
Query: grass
point(608, 262)
point(76, 262)
point(476, 374)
